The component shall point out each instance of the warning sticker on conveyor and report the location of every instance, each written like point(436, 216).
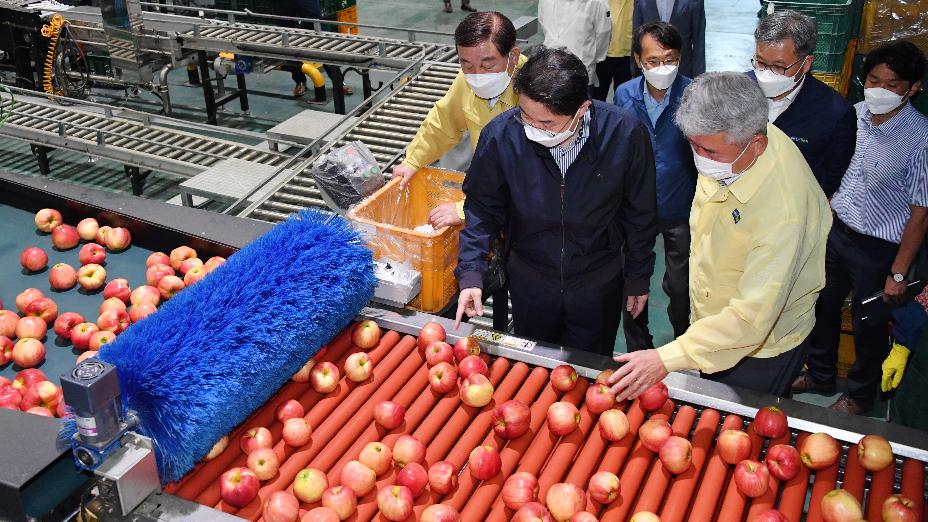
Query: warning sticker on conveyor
point(504, 340)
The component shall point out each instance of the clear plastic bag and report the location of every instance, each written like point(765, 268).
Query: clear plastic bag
point(889, 20)
point(347, 175)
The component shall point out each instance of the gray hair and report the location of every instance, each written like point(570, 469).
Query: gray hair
point(728, 102)
point(780, 25)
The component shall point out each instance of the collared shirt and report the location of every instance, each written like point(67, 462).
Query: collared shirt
point(757, 262)
point(665, 9)
point(776, 107)
point(655, 108)
point(620, 12)
point(888, 174)
point(566, 157)
point(582, 26)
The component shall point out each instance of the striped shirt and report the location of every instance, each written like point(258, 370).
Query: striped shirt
point(887, 175)
point(566, 157)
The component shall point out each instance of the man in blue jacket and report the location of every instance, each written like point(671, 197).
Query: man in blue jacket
point(654, 98)
point(816, 117)
point(571, 182)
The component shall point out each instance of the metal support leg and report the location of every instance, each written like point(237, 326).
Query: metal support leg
point(366, 87)
point(501, 310)
point(136, 178)
point(208, 95)
point(41, 156)
point(242, 92)
point(338, 88)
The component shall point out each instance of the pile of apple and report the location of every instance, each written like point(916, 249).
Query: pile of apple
point(32, 392)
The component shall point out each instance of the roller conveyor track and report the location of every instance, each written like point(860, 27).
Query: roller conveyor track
point(127, 141)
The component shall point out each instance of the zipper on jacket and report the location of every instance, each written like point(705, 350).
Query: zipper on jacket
point(563, 231)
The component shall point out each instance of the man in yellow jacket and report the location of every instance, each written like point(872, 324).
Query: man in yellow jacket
point(486, 45)
point(757, 257)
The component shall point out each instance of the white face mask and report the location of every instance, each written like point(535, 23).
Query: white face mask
point(547, 138)
point(489, 85)
point(660, 77)
point(773, 84)
point(881, 101)
point(716, 170)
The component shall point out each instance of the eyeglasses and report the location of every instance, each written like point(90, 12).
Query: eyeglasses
point(518, 117)
point(652, 63)
point(761, 66)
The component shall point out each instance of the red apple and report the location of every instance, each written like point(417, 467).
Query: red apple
point(118, 239)
point(654, 397)
point(8, 320)
point(81, 334)
point(254, 439)
point(324, 377)
point(194, 275)
point(599, 398)
point(840, 506)
point(190, 264)
point(43, 308)
point(511, 419)
point(564, 499)
point(289, 410)
point(443, 377)
point(613, 425)
point(519, 489)
point(341, 500)
point(819, 451)
point(302, 375)
point(603, 487)
point(281, 507)
point(358, 367)
point(296, 432)
point(38, 410)
point(47, 219)
point(408, 449)
point(563, 418)
point(395, 502)
point(770, 422)
point(603, 376)
point(91, 277)
point(26, 378)
point(62, 276)
point(653, 433)
point(218, 448)
point(91, 254)
point(115, 321)
point(359, 478)
point(84, 356)
point(157, 258)
point(443, 477)
point(389, 414)
point(476, 390)
point(874, 453)
point(414, 477)
point(377, 457)
point(33, 327)
point(33, 259)
point(113, 303)
point(485, 462)
point(87, 229)
point(65, 237)
point(27, 296)
point(583, 516)
point(899, 509)
point(101, 234)
point(181, 254)
point(751, 478)
point(564, 378)
point(145, 294)
point(119, 289)
point(263, 462)
point(366, 334)
point(644, 516)
point(169, 286)
point(464, 348)
point(213, 263)
point(783, 462)
point(43, 394)
point(6, 351)
point(734, 446)
point(771, 515)
point(10, 398)
point(155, 273)
point(100, 338)
point(532, 512)
point(429, 333)
point(309, 484)
point(141, 311)
point(320, 514)
point(472, 364)
point(440, 513)
point(437, 352)
point(238, 487)
point(676, 454)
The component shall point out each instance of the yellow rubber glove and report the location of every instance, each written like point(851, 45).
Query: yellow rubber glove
point(894, 367)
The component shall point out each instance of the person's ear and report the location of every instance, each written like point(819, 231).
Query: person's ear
point(917, 86)
point(807, 64)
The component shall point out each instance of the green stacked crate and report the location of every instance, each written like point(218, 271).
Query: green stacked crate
point(835, 21)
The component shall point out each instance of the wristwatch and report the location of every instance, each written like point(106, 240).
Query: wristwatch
point(897, 277)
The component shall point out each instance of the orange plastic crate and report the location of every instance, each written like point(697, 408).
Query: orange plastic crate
point(387, 218)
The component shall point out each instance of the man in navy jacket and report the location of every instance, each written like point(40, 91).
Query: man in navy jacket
point(816, 117)
point(571, 183)
point(654, 98)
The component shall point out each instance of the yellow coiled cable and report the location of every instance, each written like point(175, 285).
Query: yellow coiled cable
point(51, 31)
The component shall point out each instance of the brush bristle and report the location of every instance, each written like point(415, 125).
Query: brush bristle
point(218, 350)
